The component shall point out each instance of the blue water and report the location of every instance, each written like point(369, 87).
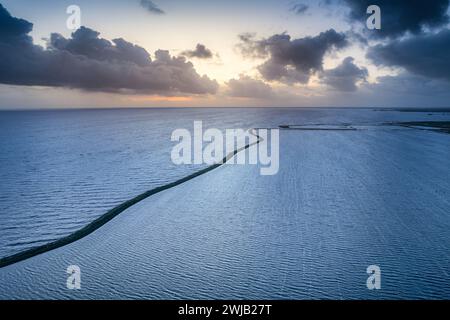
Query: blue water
point(342, 201)
point(59, 170)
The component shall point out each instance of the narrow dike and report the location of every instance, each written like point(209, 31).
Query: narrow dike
point(100, 221)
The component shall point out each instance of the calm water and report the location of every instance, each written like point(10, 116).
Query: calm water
point(342, 201)
point(59, 170)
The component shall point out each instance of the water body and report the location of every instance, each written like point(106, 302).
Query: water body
point(342, 200)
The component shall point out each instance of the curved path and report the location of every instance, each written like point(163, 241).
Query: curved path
point(341, 201)
point(100, 221)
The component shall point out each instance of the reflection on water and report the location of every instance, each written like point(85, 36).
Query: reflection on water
point(59, 170)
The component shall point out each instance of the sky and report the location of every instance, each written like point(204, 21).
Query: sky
point(198, 53)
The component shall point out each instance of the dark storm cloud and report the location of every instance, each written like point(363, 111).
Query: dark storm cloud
point(13, 29)
point(399, 16)
point(345, 76)
point(151, 7)
point(247, 87)
point(200, 52)
point(86, 61)
point(291, 61)
point(86, 42)
point(299, 8)
point(426, 54)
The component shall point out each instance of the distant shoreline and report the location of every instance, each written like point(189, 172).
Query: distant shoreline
point(400, 109)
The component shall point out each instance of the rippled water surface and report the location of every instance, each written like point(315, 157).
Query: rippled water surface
point(341, 201)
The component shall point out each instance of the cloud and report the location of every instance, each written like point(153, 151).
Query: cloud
point(345, 76)
point(247, 87)
point(13, 29)
point(291, 61)
point(425, 54)
point(299, 8)
point(399, 16)
point(249, 47)
point(407, 85)
point(86, 42)
point(200, 52)
point(404, 90)
point(151, 7)
point(86, 61)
